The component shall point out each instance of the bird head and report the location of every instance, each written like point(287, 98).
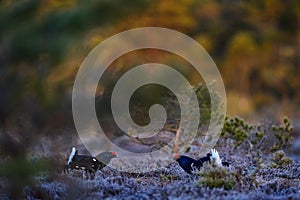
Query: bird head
point(105, 157)
point(209, 155)
point(114, 154)
point(176, 156)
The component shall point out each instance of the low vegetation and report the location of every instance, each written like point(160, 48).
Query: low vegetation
point(259, 168)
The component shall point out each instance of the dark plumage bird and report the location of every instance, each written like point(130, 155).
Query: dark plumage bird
point(188, 164)
point(88, 163)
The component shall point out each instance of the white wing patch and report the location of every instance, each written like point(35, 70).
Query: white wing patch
point(72, 155)
point(215, 155)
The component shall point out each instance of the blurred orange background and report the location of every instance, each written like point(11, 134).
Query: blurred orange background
point(255, 44)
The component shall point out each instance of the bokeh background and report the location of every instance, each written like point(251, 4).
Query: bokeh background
point(255, 44)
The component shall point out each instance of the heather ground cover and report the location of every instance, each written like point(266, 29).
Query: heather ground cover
point(261, 167)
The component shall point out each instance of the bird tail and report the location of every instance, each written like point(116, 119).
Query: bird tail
point(73, 152)
point(215, 155)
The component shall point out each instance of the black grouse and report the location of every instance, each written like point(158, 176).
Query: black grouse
point(88, 163)
point(188, 164)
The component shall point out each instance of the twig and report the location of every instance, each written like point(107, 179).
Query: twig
point(177, 139)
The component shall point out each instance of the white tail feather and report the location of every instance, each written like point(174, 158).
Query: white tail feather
point(72, 155)
point(215, 155)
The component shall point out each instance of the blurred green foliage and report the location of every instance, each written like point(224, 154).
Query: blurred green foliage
point(20, 172)
point(217, 177)
point(280, 159)
point(266, 136)
point(42, 43)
